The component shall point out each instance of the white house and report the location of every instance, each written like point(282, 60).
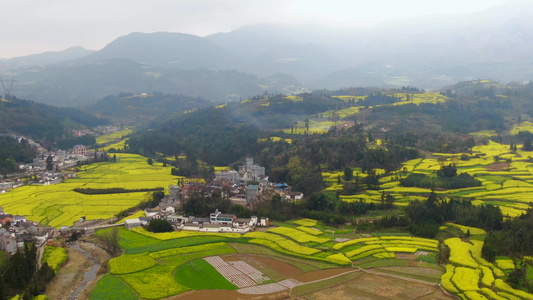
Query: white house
point(132, 223)
point(265, 222)
point(294, 196)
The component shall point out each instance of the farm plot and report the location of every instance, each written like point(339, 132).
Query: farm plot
point(57, 205)
point(162, 265)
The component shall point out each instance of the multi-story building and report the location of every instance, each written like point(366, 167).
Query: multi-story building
point(79, 150)
point(251, 172)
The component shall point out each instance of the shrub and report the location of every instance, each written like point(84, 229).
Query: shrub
point(160, 225)
point(501, 285)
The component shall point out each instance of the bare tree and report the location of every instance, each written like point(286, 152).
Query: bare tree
point(110, 239)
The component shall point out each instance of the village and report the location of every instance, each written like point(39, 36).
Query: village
point(245, 187)
point(16, 231)
point(53, 167)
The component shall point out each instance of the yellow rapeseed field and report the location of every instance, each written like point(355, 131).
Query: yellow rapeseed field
point(57, 205)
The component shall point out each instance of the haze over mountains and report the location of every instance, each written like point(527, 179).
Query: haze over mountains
point(427, 52)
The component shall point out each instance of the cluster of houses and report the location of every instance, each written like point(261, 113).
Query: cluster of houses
point(250, 185)
point(245, 187)
point(103, 129)
point(217, 222)
point(16, 231)
point(61, 160)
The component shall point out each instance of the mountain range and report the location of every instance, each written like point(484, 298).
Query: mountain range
point(427, 52)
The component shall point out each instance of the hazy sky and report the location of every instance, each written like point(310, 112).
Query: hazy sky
point(34, 26)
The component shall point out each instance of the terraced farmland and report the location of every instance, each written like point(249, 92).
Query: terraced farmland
point(469, 276)
point(507, 184)
point(158, 265)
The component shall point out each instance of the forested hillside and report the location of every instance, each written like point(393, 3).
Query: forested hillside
point(42, 122)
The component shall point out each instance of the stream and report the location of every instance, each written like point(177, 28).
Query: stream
point(89, 276)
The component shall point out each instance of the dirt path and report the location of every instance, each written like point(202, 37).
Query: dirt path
point(331, 277)
point(397, 277)
point(40, 252)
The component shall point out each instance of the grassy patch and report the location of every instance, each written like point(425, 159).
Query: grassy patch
point(154, 283)
point(430, 258)
point(200, 275)
point(176, 243)
point(110, 288)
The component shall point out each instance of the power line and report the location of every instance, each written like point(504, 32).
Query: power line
point(7, 89)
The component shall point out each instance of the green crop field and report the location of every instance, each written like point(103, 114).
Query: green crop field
point(57, 205)
point(110, 287)
point(200, 275)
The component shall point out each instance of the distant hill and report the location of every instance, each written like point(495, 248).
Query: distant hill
point(130, 109)
point(428, 52)
point(45, 58)
point(83, 84)
point(42, 122)
point(165, 49)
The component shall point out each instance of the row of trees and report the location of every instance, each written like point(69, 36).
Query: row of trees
point(20, 275)
point(12, 152)
point(425, 217)
point(514, 240)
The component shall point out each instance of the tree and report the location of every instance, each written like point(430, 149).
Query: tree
point(160, 225)
point(448, 171)
point(527, 145)
point(295, 168)
point(150, 161)
point(110, 240)
point(319, 202)
point(275, 202)
point(517, 277)
point(348, 173)
point(49, 163)
point(389, 201)
point(9, 164)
